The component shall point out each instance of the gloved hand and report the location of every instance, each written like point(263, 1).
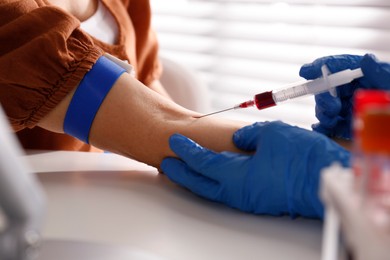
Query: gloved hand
point(280, 177)
point(335, 113)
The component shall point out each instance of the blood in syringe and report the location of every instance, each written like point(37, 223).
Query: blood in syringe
point(264, 100)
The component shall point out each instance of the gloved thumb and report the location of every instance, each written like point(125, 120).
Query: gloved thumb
point(247, 137)
point(376, 73)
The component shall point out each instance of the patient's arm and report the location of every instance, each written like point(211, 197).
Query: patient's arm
point(136, 122)
point(159, 88)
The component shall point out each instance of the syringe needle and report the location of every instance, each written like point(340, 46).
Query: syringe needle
point(216, 112)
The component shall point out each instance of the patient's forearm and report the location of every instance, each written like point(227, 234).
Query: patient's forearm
point(159, 88)
point(136, 122)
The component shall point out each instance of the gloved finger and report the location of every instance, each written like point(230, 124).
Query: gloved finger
point(327, 104)
point(180, 173)
point(247, 137)
point(325, 120)
point(334, 63)
point(343, 129)
point(313, 70)
point(319, 128)
point(346, 110)
point(200, 159)
point(377, 73)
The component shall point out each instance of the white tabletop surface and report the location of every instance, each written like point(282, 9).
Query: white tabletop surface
point(110, 199)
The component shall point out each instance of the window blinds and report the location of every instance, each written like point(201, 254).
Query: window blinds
point(244, 47)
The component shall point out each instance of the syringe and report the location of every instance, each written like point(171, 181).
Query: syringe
point(328, 82)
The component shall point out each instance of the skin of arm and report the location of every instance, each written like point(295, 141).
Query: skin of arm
point(159, 88)
point(137, 122)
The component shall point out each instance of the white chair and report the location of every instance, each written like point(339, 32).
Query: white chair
point(185, 86)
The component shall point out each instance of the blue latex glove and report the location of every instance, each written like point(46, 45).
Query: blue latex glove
point(335, 113)
point(280, 177)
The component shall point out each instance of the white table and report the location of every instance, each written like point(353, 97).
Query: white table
point(110, 199)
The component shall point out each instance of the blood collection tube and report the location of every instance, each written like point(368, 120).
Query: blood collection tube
point(372, 141)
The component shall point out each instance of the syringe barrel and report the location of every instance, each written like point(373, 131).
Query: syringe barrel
point(294, 90)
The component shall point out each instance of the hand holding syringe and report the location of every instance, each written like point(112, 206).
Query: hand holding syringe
point(328, 82)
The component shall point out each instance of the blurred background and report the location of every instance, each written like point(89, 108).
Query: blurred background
point(243, 47)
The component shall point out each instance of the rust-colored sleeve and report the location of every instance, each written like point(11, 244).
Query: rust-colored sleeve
point(148, 63)
point(43, 56)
